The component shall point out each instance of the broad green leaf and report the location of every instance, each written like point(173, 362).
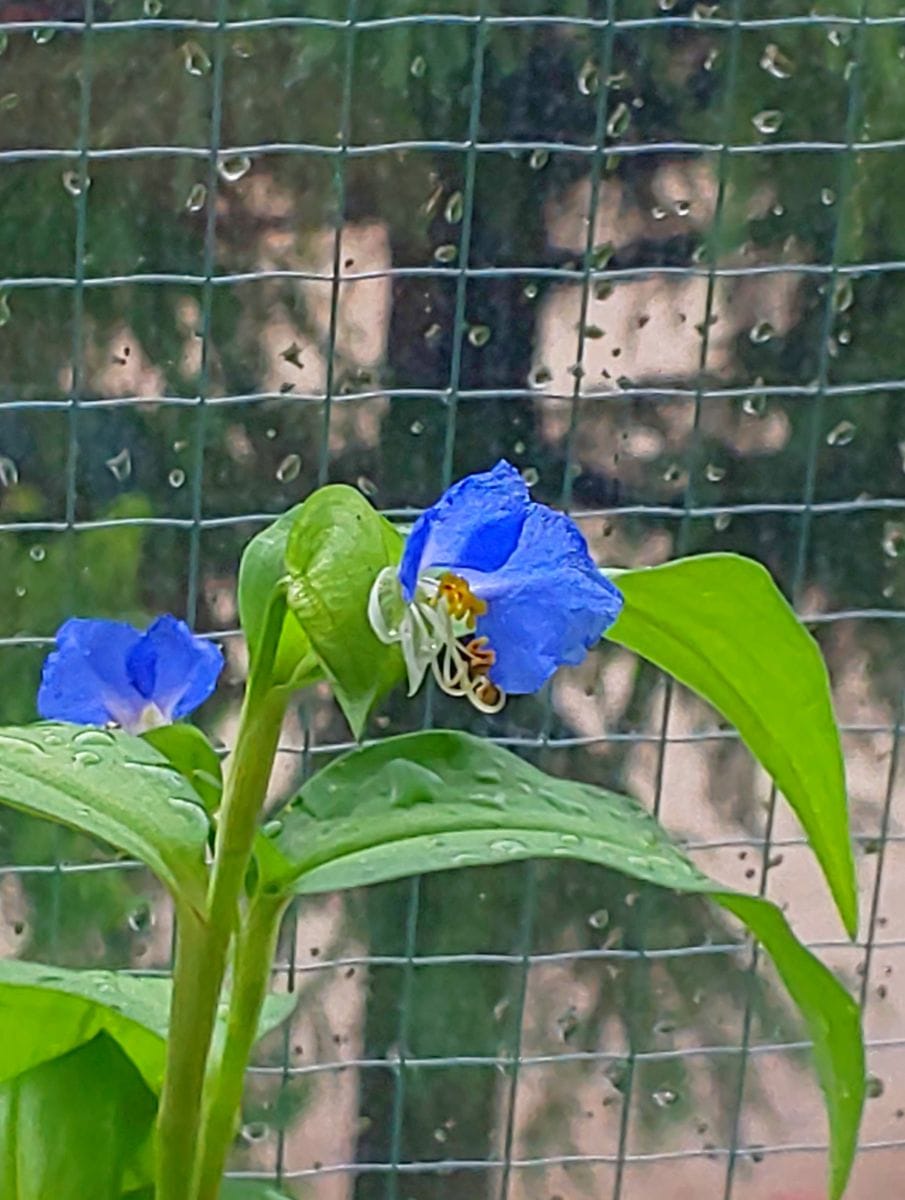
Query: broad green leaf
point(719, 624)
point(115, 787)
point(337, 547)
point(433, 801)
point(187, 749)
point(46, 1012)
point(75, 1126)
point(262, 567)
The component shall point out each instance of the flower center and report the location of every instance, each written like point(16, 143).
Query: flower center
point(462, 603)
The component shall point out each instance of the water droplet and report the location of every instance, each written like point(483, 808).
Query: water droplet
point(37, 554)
point(530, 290)
point(11, 742)
point(722, 521)
point(234, 167)
point(769, 120)
point(272, 829)
point(289, 469)
point(418, 67)
point(893, 540)
point(659, 213)
point(588, 78)
point(530, 476)
point(843, 296)
point(255, 1131)
point(599, 919)
point(570, 839)
point(9, 472)
point(9, 101)
point(152, 8)
point(762, 332)
point(446, 253)
point(21, 590)
point(664, 1097)
point(538, 159)
point(43, 36)
point(466, 860)
point(120, 465)
point(94, 737)
point(842, 434)
point(176, 477)
point(540, 376)
point(196, 198)
point(827, 196)
point(86, 758)
point(488, 775)
point(775, 63)
point(682, 208)
point(568, 1022)
point(619, 120)
point(479, 335)
point(455, 207)
point(367, 486)
point(141, 918)
point(72, 182)
point(416, 428)
point(195, 58)
point(875, 1087)
point(713, 473)
point(508, 846)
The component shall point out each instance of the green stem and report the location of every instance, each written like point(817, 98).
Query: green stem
point(203, 946)
point(254, 958)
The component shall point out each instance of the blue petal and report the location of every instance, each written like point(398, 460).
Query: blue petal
point(476, 524)
point(85, 680)
point(547, 606)
point(173, 669)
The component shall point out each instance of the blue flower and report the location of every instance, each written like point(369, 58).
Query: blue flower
point(494, 592)
point(107, 671)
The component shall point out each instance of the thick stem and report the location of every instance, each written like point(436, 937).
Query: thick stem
point(197, 979)
point(203, 946)
point(254, 958)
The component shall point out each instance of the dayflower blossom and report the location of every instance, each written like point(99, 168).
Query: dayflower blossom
point(104, 672)
point(493, 593)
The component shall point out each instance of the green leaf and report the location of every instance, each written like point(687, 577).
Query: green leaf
point(187, 749)
point(719, 624)
point(437, 800)
point(338, 546)
point(75, 1126)
point(115, 787)
point(262, 568)
point(46, 1012)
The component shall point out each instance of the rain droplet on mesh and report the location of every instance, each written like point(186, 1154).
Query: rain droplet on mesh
point(722, 521)
point(618, 120)
point(659, 213)
point(433, 331)
point(416, 428)
point(588, 78)
point(538, 159)
point(446, 253)
point(672, 473)
point(289, 468)
point(196, 198)
point(141, 919)
point(120, 465)
point(682, 208)
point(775, 63)
point(827, 196)
point(152, 8)
point(9, 101)
point(664, 1097)
point(37, 554)
point(195, 58)
point(754, 404)
point(530, 290)
point(841, 434)
point(893, 540)
point(843, 296)
point(418, 67)
point(367, 486)
point(875, 1087)
point(455, 207)
point(9, 472)
point(599, 919)
point(710, 61)
point(176, 477)
point(762, 332)
point(713, 473)
point(768, 120)
point(72, 182)
point(43, 36)
point(234, 167)
point(540, 376)
point(530, 476)
point(479, 335)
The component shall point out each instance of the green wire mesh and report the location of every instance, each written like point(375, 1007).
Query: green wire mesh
point(185, 191)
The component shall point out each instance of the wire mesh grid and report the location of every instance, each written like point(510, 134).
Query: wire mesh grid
point(489, 63)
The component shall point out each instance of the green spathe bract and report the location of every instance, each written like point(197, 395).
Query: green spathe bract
point(432, 801)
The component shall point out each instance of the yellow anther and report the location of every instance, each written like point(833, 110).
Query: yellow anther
point(461, 602)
